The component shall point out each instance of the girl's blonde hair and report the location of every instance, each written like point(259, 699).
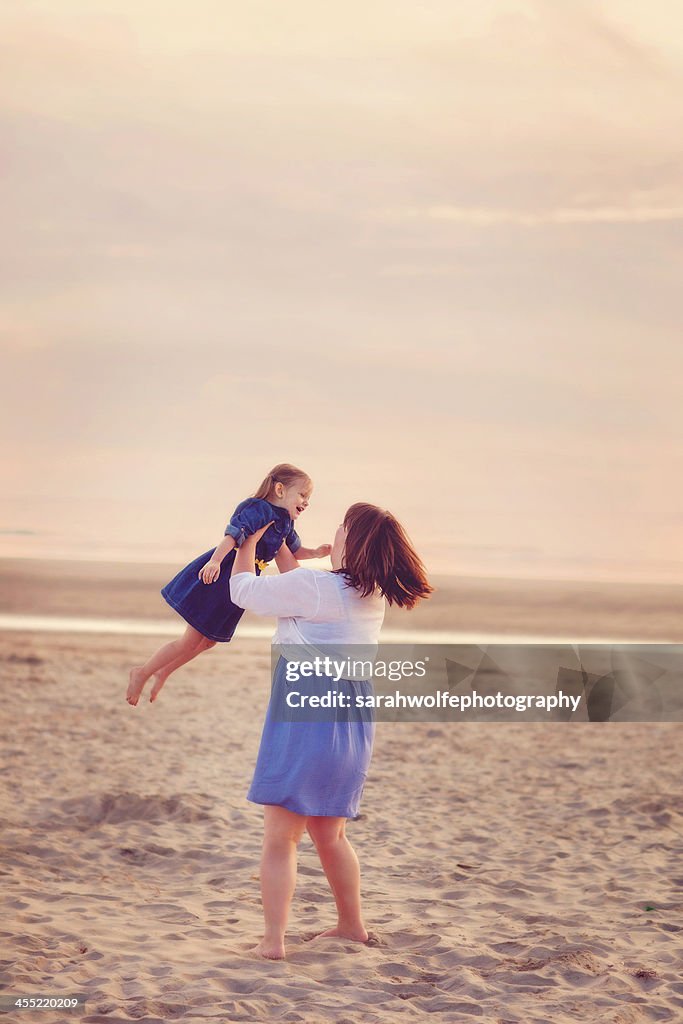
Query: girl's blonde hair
point(284, 473)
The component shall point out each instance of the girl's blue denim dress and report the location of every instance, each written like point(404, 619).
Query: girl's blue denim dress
point(207, 606)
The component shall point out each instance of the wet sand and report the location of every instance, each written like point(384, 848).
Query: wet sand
point(571, 609)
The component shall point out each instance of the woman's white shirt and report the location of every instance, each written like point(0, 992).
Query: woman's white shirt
point(313, 606)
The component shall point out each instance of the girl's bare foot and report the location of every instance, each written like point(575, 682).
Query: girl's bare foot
point(159, 680)
point(270, 950)
point(136, 684)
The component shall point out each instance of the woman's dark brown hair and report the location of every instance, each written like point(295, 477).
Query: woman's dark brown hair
point(379, 556)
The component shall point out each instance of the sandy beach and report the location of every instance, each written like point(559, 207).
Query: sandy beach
point(514, 873)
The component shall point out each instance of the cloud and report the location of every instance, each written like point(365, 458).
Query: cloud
point(492, 217)
point(600, 36)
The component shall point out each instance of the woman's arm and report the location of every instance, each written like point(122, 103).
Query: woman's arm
point(291, 594)
point(285, 560)
point(245, 559)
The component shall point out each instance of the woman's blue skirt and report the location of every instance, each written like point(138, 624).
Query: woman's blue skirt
point(319, 766)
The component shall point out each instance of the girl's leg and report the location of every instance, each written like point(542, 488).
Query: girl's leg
point(162, 674)
point(340, 864)
point(188, 646)
point(282, 831)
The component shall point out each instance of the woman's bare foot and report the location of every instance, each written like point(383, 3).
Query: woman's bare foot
point(270, 950)
point(136, 684)
point(357, 933)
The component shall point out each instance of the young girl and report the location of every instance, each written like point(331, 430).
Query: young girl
point(201, 591)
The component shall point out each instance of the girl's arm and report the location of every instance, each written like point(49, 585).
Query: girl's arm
point(247, 517)
point(210, 572)
point(293, 542)
point(320, 552)
point(286, 561)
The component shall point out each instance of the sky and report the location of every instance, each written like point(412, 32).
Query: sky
point(429, 252)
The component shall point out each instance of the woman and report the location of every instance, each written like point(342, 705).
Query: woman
point(310, 775)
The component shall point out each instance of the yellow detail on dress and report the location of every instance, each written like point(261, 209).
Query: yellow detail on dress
point(261, 564)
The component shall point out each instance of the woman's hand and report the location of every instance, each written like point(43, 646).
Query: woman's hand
point(246, 552)
point(210, 572)
point(256, 536)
